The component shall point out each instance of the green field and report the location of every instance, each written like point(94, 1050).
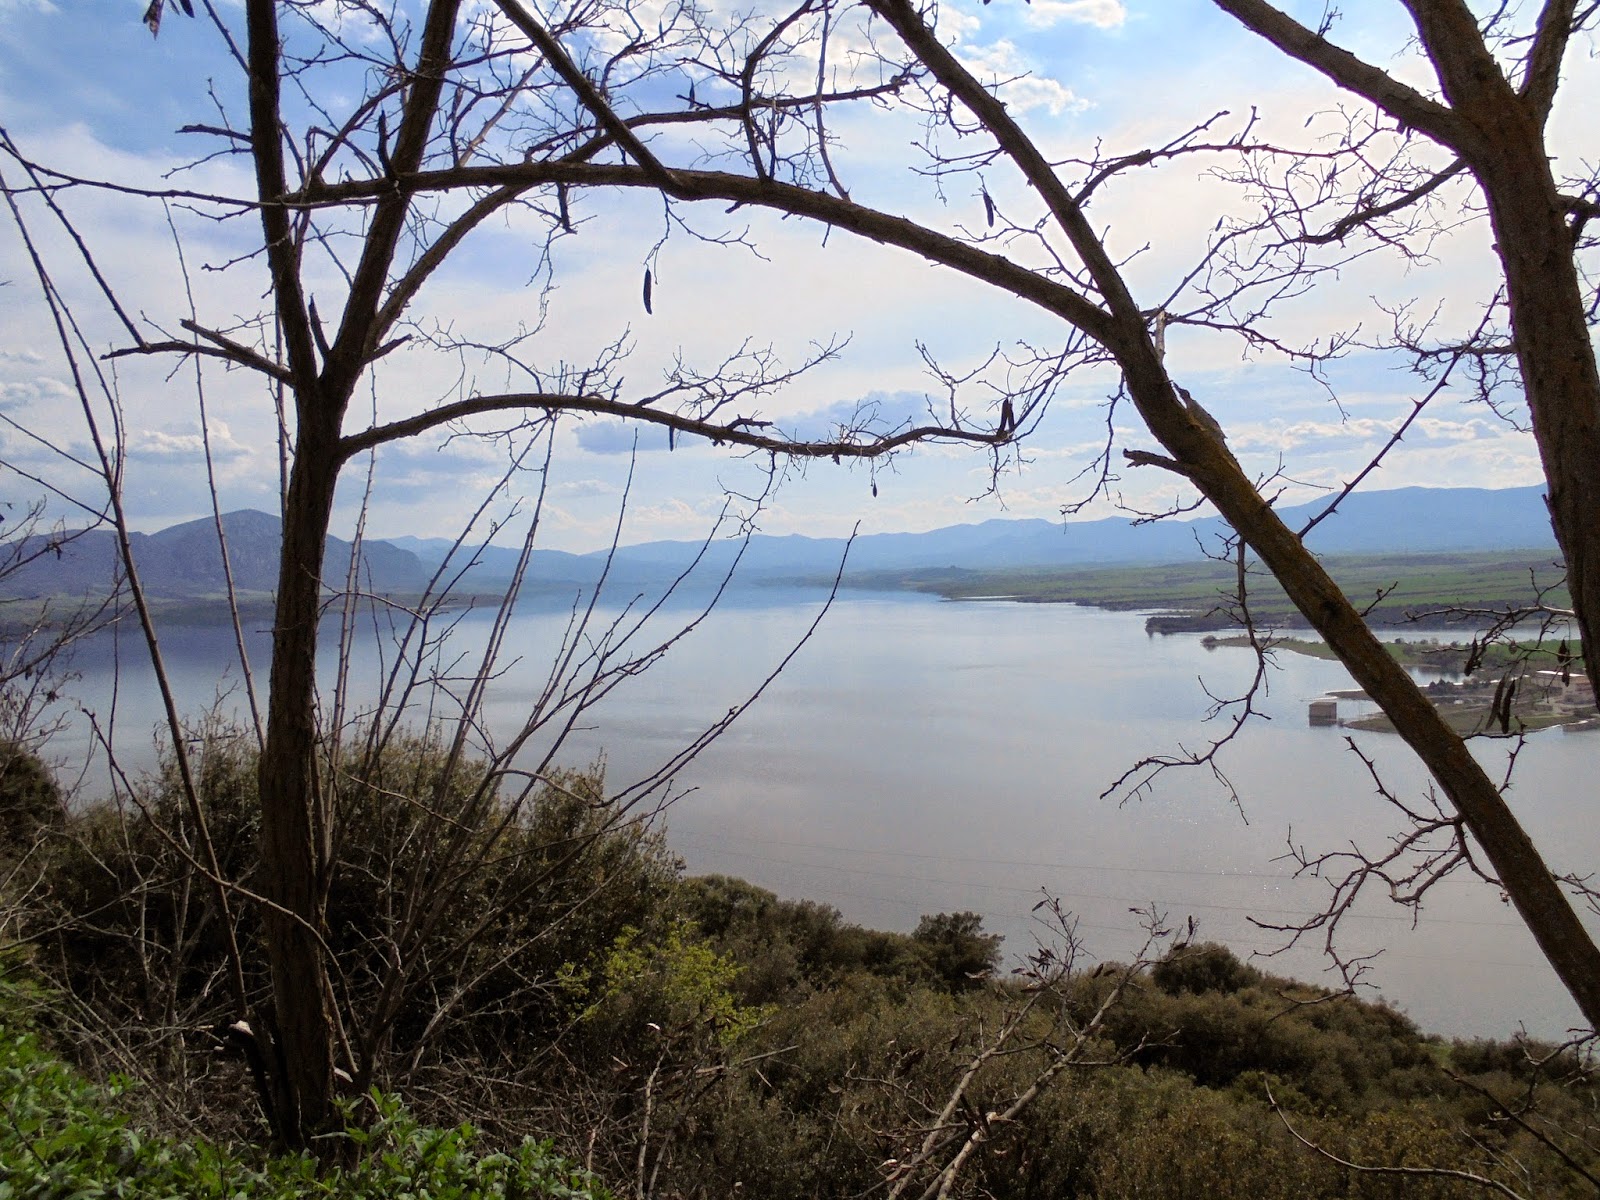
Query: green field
point(1198, 595)
point(1431, 654)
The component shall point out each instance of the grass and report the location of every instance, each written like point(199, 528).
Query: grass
point(1397, 587)
point(1447, 658)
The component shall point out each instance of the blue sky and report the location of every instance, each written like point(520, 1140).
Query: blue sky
point(83, 84)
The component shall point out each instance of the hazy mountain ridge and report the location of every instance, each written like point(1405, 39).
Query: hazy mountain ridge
point(183, 561)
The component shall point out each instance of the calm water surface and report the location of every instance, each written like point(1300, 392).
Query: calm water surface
point(920, 756)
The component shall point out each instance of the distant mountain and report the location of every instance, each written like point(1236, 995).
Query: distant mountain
point(184, 561)
point(1404, 520)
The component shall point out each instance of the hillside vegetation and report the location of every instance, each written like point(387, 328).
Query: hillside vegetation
point(701, 1037)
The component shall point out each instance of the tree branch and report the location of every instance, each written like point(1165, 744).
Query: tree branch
point(266, 149)
point(411, 282)
point(588, 93)
point(357, 331)
point(739, 432)
point(741, 189)
point(224, 348)
point(1482, 1181)
point(1404, 103)
point(1543, 73)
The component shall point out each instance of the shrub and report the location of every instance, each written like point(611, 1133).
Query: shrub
point(453, 911)
point(30, 800)
point(63, 1139)
point(1204, 967)
point(958, 953)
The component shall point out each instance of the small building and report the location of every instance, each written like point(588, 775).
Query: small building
point(1325, 711)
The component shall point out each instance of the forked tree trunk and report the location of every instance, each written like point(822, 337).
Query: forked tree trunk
point(296, 836)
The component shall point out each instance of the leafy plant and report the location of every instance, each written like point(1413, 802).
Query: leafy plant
point(62, 1138)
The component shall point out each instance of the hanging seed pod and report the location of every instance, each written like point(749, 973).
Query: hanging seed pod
point(647, 307)
point(988, 207)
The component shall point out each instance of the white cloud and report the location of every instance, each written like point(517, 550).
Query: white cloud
point(25, 393)
point(167, 445)
point(584, 488)
point(1001, 66)
point(956, 26)
point(1102, 14)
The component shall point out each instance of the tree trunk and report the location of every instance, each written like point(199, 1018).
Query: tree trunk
point(295, 834)
point(1521, 870)
point(1559, 376)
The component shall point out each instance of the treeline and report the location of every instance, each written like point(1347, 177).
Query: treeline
point(548, 975)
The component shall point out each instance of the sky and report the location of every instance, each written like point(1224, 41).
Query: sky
point(86, 89)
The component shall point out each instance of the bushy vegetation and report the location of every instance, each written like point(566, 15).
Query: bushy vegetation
point(30, 800)
point(64, 1138)
point(571, 994)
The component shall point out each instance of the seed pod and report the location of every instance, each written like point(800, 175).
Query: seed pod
point(988, 207)
point(561, 201)
point(647, 307)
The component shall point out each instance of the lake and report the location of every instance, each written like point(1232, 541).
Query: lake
point(919, 756)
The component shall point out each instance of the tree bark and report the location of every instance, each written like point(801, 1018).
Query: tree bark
point(295, 834)
point(1549, 327)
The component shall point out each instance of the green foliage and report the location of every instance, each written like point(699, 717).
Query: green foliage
point(573, 985)
point(677, 987)
point(958, 952)
point(30, 800)
point(792, 947)
point(1203, 967)
point(455, 909)
point(1218, 1021)
point(62, 1139)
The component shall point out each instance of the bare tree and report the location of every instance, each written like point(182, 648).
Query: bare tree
point(464, 114)
point(439, 88)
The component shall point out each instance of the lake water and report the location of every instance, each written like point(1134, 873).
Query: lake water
point(920, 756)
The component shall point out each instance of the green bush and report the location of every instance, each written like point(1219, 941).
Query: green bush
point(1203, 967)
point(62, 1139)
point(791, 947)
point(958, 953)
point(30, 800)
point(487, 898)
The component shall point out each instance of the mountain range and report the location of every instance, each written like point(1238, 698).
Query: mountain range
point(183, 561)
